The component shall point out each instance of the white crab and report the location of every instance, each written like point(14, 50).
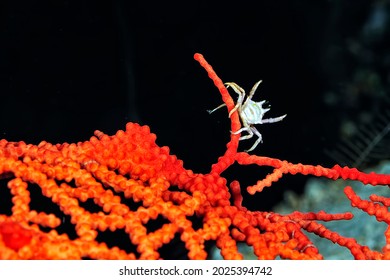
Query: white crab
point(250, 112)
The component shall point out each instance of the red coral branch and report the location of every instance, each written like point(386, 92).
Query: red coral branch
point(228, 158)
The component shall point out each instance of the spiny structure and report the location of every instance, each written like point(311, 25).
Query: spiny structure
point(108, 170)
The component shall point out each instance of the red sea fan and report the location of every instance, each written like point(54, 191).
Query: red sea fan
point(108, 171)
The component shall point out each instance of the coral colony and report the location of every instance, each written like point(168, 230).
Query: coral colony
point(128, 166)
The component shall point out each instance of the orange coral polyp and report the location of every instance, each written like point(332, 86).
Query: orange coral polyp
point(133, 182)
point(14, 236)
